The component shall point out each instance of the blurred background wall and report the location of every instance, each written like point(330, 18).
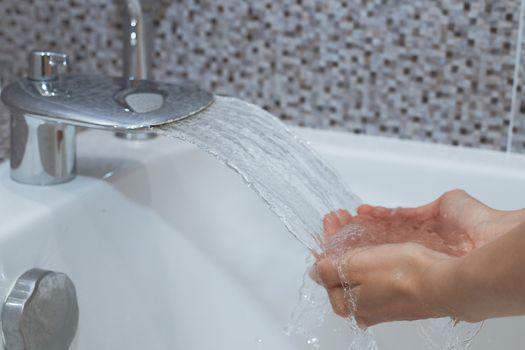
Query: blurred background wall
point(432, 70)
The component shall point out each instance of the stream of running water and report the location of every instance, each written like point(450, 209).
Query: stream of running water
point(300, 188)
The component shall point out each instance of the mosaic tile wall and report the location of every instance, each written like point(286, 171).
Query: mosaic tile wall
point(432, 70)
point(518, 137)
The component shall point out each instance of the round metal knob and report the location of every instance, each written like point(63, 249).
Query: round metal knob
point(43, 65)
point(41, 312)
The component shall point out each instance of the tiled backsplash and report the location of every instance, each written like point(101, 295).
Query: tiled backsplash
point(433, 70)
point(518, 136)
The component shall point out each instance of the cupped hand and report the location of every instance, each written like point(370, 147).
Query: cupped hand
point(453, 213)
point(454, 224)
point(388, 282)
point(374, 268)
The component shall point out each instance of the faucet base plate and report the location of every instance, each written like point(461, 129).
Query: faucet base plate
point(116, 104)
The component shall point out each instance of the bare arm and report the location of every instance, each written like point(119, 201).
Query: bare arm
point(488, 282)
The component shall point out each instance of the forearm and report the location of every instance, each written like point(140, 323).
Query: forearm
point(489, 281)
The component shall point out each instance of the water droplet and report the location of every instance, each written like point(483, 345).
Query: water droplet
point(258, 340)
point(313, 342)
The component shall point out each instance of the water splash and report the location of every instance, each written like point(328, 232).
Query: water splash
point(298, 187)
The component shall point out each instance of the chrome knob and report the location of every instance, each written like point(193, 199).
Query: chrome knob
point(43, 71)
point(41, 312)
point(43, 65)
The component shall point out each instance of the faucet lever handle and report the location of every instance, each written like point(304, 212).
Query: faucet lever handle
point(43, 65)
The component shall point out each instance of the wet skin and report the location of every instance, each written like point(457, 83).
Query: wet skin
point(383, 255)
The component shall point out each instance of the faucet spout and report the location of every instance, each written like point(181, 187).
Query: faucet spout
point(138, 39)
point(137, 49)
point(46, 107)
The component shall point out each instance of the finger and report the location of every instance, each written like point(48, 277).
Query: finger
point(365, 315)
point(374, 316)
point(339, 302)
point(314, 275)
point(344, 217)
point(364, 209)
point(362, 323)
point(325, 273)
point(373, 306)
point(331, 224)
point(381, 212)
point(357, 311)
point(375, 211)
point(345, 271)
point(422, 212)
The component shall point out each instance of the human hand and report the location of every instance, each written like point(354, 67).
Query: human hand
point(390, 279)
point(369, 273)
point(452, 213)
point(388, 282)
point(372, 268)
point(455, 223)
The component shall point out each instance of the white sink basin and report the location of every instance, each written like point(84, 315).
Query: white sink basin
point(168, 249)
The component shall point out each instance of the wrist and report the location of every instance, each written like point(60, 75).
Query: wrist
point(442, 288)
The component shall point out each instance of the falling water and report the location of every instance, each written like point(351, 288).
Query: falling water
point(296, 184)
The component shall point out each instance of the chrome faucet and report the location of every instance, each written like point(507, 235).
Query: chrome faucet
point(46, 107)
point(138, 39)
point(138, 48)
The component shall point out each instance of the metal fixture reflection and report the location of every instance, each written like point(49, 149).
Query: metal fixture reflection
point(138, 39)
point(41, 312)
point(138, 48)
point(43, 124)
